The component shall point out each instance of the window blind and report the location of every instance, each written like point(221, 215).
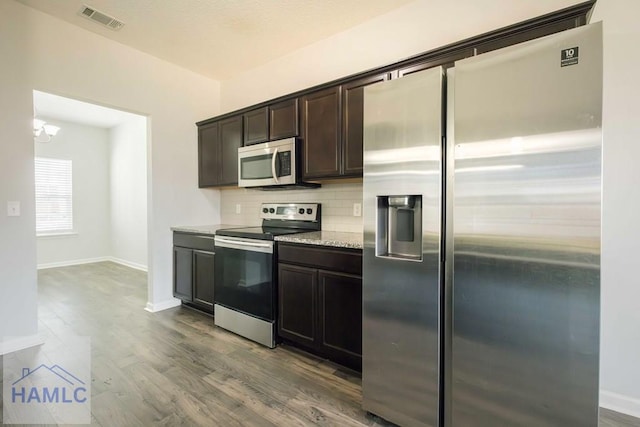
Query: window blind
point(54, 198)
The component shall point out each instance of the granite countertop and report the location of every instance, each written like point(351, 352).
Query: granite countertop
point(203, 229)
point(334, 239)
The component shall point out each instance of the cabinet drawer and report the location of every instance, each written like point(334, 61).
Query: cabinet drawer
point(193, 241)
point(341, 260)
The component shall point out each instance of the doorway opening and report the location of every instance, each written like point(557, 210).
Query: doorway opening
point(91, 183)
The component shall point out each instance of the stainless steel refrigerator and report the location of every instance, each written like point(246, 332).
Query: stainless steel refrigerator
point(482, 217)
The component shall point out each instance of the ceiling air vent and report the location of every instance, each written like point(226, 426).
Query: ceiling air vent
point(101, 18)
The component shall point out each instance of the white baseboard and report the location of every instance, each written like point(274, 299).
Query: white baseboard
point(73, 262)
point(620, 403)
point(91, 261)
point(164, 305)
point(129, 264)
point(19, 343)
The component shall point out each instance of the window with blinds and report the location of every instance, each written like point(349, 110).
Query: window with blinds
point(54, 198)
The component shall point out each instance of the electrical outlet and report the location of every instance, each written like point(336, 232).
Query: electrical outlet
point(238, 208)
point(357, 209)
point(13, 208)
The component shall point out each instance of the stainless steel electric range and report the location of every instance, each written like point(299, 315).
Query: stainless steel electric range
point(245, 286)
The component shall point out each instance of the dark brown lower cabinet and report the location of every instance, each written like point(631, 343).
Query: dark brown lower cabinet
point(320, 310)
point(340, 317)
point(182, 273)
point(203, 279)
point(193, 264)
point(297, 298)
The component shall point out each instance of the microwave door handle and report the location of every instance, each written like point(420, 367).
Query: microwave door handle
point(273, 166)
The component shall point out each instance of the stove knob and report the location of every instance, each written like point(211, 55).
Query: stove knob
point(265, 210)
point(271, 210)
point(309, 211)
point(301, 211)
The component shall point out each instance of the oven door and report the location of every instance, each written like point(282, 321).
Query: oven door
point(244, 276)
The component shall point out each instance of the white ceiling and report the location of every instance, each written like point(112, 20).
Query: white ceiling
point(71, 110)
point(220, 38)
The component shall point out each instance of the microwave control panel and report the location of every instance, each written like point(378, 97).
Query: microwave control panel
point(284, 162)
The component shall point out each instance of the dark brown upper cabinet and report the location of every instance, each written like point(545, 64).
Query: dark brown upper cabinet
point(353, 123)
point(322, 134)
point(333, 130)
point(208, 154)
point(283, 119)
point(230, 141)
point(328, 117)
point(256, 126)
point(272, 122)
point(218, 144)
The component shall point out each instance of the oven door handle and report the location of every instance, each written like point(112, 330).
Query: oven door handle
point(244, 245)
point(273, 166)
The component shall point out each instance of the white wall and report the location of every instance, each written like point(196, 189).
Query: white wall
point(337, 204)
point(53, 56)
point(128, 190)
point(88, 149)
point(18, 292)
point(620, 293)
point(417, 27)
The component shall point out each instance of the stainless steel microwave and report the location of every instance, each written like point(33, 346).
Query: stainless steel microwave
point(268, 164)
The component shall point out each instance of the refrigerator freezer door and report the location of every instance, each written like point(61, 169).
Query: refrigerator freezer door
point(527, 203)
point(401, 258)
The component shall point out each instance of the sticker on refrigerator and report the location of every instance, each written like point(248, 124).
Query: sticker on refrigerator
point(569, 57)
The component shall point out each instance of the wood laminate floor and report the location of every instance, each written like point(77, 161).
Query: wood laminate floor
point(174, 368)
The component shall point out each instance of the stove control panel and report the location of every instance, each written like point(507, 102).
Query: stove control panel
point(291, 211)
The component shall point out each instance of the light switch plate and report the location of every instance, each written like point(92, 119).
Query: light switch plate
point(13, 208)
point(238, 208)
point(357, 209)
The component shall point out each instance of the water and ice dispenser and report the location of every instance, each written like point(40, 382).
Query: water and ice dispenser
point(399, 227)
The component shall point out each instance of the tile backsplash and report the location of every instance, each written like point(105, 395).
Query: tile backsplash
point(337, 204)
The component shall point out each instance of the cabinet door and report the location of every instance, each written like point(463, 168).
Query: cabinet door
point(203, 264)
point(182, 273)
point(208, 155)
point(256, 126)
point(352, 123)
point(340, 317)
point(297, 302)
point(321, 134)
point(283, 119)
point(230, 141)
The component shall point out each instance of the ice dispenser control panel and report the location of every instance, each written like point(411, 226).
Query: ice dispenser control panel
point(399, 227)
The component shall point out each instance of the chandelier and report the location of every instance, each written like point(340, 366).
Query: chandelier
point(42, 132)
